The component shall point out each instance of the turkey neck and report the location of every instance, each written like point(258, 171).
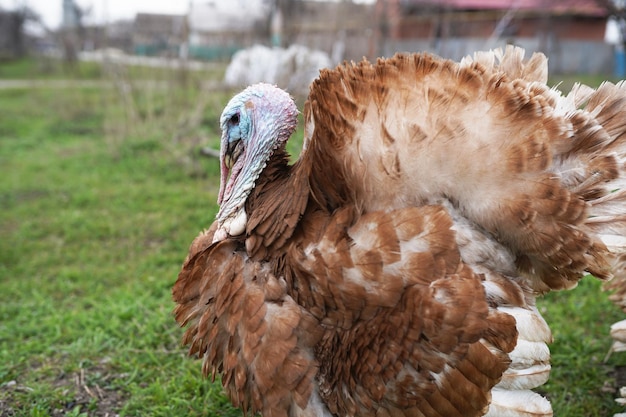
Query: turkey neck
point(283, 192)
point(275, 206)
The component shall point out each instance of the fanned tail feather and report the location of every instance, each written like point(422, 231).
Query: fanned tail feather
point(597, 166)
point(511, 61)
point(589, 159)
point(587, 148)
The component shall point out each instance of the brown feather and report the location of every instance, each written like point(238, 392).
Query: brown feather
point(546, 217)
point(415, 329)
point(259, 352)
point(393, 269)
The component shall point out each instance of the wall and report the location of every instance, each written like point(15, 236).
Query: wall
point(564, 56)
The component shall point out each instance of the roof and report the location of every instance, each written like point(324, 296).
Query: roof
point(580, 7)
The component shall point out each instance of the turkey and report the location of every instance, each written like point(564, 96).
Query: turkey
point(392, 270)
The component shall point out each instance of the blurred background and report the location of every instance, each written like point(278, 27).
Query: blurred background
point(579, 36)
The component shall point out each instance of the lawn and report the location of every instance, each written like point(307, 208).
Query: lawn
point(102, 190)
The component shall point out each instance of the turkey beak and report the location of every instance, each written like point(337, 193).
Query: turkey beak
point(233, 152)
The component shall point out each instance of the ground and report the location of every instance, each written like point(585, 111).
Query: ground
point(101, 402)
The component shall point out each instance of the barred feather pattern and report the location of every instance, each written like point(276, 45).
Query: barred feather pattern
point(247, 329)
point(393, 270)
point(387, 289)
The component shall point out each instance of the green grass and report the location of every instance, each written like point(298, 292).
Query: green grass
point(94, 230)
point(581, 384)
point(47, 68)
point(50, 69)
point(99, 200)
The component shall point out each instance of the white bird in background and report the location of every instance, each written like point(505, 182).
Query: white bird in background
point(393, 269)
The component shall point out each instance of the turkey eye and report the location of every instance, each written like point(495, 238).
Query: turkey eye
point(234, 120)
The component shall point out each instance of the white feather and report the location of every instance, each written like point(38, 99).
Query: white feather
point(523, 403)
point(530, 325)
point(615, 243)
point(524, 379)
point(528, 354)
point(618, 331)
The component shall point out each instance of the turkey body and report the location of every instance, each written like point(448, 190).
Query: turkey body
point(392, 270)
